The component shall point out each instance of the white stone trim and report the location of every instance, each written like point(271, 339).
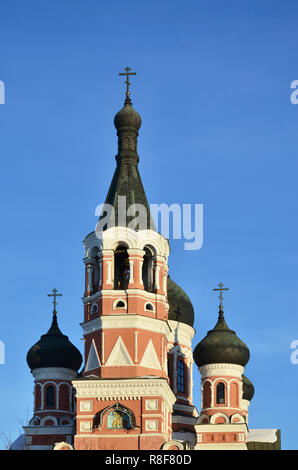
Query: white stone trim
point(113, 359)
point(181, 333)
point(131, 272)
point(57, 373)
point(157, 271)
point(131, 321)
point(185, 408)
point(111, 293)
point(244, 404)
point(135, 239)
point(185, 419)
point(150, 358)
point(92, 350)
point(221, 370)
point(239, 416)
point(219, 415)
point(136, 346)
point(48, 430)
point(103, 347)
point(151, 404)
point(109, 271)
point(229, 427)
point(168, 444)
point(202, 417)
point(85, 426)
point(45, 418)
point(151, 425)
point(122, 389)
point(60, 446)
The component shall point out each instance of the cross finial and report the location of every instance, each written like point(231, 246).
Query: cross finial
point(221, 288)
point(54, 301)
point(127, 73)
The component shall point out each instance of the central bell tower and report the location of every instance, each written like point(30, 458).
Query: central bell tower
point(124, 395)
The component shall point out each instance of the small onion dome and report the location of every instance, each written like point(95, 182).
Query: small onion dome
point(127, 116)
point(221, 345)
point(248, 388)
point(180, 306)
point(54, 350)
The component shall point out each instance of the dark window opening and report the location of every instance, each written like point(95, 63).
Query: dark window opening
point(121, 268)
point(50, 396)
point(147, 271)
point(149, 307)
point(220, 393)
point(180, 377)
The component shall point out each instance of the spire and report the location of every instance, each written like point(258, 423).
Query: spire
point(127, 180)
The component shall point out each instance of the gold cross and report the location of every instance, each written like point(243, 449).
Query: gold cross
point(221, 288)
point(54, 301)
point(127, 73)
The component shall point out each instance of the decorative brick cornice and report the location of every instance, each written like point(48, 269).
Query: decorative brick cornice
point(132, 389)
point(126, 321)
point(54, 373)
point(221, 370)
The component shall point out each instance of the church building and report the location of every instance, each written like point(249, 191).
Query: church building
point(133, 388)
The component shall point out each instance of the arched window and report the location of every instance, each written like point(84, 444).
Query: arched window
point(96, 273)
point(121, 268)
point(220, 393)
point(37, 397)
point(206, 395)
point(147, 270)
point(180, 377)
point(50, 396)
point(149, 306)
point(93, 309)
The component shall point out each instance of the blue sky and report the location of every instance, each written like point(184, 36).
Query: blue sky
point(218, 128)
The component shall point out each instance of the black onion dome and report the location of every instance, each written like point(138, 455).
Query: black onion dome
point(248, 388)
point(221, 345)
point(180, 306)
point(127, 117)
point(54, 350)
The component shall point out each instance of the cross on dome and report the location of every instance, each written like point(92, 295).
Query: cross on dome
point(127, 73)
point(221, 288)
point(54, 301)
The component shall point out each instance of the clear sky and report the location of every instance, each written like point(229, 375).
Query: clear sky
point(218, 128)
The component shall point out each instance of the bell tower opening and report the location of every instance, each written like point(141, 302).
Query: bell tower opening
point(220, 393)
point(121, 268)
point(147, 270)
